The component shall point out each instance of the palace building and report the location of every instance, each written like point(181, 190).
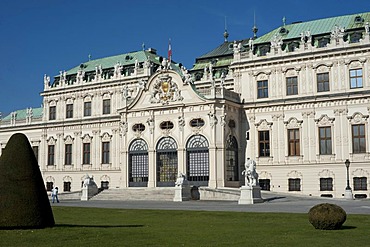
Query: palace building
point(295, 100)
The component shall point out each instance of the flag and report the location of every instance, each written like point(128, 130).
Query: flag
point(169, 51)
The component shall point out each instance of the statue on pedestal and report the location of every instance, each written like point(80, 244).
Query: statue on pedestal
point(251, 176)
point(251, 192)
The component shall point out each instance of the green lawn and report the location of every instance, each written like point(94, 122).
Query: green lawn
point(120, 227)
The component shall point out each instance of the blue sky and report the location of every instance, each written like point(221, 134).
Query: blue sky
point(45, 36)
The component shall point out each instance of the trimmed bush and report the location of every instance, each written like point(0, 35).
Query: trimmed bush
point(326, 216)
point(24, 202)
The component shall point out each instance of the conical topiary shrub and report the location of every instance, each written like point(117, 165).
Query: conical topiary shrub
point(327, 216)
point(24, 202)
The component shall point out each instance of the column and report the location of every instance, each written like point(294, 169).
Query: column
point(77, 153)
point(59, 154)
point(95, 150)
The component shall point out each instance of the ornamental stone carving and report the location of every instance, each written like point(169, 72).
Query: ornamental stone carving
point(293, 123)
point(165, 90)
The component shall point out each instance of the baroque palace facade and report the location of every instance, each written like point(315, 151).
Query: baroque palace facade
point(296, 100)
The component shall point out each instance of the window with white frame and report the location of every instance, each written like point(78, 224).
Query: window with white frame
point(322, 82)
point(106, 106)
point(292, 85)
point(355, 77)
point(325, 141)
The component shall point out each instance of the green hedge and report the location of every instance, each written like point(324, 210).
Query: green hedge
point(326, 216)
point(24, 202)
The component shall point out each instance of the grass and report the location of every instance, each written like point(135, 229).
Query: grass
point(121, 227)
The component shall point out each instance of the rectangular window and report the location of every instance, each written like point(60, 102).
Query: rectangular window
point(67, 186)
point(105, 153)
point(360, 183)
point(262, 89)
point(51, 155)
point(264, 184)
point(86, 153)
point(325, 140)
point(104, 185)
point(322, 82)
point(68, 154)
point(49, 186)
point(293, 142)
point(355, 77)
point(326, 184)
point(358, 138)
point(87, 109)
point(69, 111)
point(52, 112)
point(294, 184)
point(264, 143)
point(106, 106)
point(36, 152)
point(292, 86)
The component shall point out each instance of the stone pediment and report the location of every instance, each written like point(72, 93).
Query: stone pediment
point(163, 89)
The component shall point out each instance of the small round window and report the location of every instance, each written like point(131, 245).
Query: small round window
point(138, 127)
point(197, 122)
point(166, 125)
point(232, 124)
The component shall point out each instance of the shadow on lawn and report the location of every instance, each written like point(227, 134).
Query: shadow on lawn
point(347, 227)
point(98, 226)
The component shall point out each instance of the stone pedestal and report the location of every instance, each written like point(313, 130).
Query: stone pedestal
point(348, 194)
point(182, 193)
point(89, 189)
point(250, 195)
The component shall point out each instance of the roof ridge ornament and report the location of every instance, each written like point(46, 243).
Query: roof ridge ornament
point(254, 29)
point(226, 34)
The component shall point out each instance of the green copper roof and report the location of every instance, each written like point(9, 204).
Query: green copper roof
point(317, 27)
point(220, 56)
point(123, 59)
point(224, 49)
point(22, 114)
point(220, 62)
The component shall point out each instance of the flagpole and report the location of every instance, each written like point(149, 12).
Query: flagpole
point(169, 51)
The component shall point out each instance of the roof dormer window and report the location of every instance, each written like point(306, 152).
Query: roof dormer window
point(283, 30)
point(359, 19)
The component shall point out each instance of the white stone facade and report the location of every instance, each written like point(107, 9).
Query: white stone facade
point(299, 109)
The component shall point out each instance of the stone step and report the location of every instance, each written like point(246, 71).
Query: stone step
point(157, 194)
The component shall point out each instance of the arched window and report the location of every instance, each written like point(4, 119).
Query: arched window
point(197, 157)
point(166, 162)
point(232, 167)
point(138, 163)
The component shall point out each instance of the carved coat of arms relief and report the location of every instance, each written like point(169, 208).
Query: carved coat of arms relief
point(165, 90)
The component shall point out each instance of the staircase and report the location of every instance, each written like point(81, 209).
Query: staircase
point(166, 194)
point(136, 193)
point(219, 194)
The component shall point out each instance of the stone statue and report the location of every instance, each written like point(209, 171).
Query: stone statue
point(277, 41)
point(250, 43)
point(181, 122)
point(87, 180)
point(147, 64)
point(251, 176)
point(367, 27)
point(222, 80)
point(141, 84)
point(98, 72)
point(150, 122)
point(46, 81)
point(80, 75)
point(180, 179)
point(117, 69)
point(212, 118)
point(187, 76)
